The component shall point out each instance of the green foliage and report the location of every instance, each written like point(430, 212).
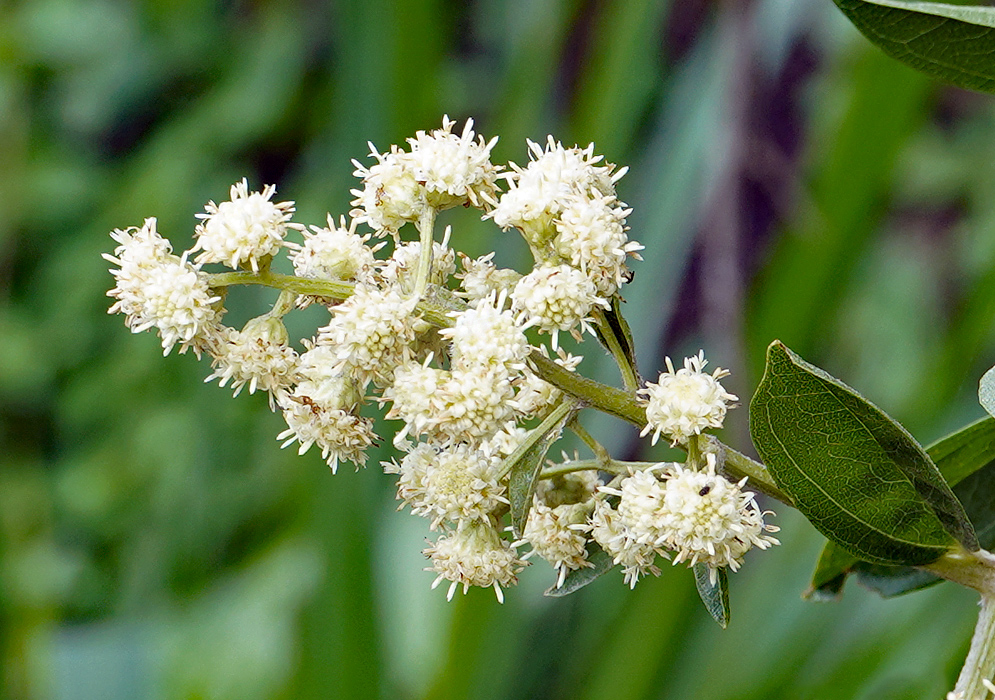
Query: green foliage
point(855, 473)
point(715, 595)
point(949, 42)
point(965, 459)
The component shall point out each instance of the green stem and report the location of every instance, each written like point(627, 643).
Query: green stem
point(426, 229)
point(607, 399)
point(581, 465)
point(600, 453)
point(630, 380)
point(736, 465)
point(284, 304)
point(553, 419)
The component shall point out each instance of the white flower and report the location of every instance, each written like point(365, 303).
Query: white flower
point(505, 441)
point(556, 298)
point(335, 252)
point(243, 230)
point(539, 192)
point(157, 289)
point(685, 402)
point(641, 495)
point(391, 194)
point(554, 536)
point(461, 405)
point(372, 332)
point(707, 519)
point(257, 356)
point(481, 278)
point(611, 534)
point(403, 264)
point(338, 433)
point(454, 169)
point(591, 236)
point(455, 484)
point(487, 335)
point(474, 555)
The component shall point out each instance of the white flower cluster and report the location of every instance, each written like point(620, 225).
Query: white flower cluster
point(700, 516)
point(448, 352)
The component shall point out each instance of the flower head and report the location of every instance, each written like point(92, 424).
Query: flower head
point(453, 169)
point(487, 335)
point(480, 278)
point(244, 229)
point(556, 298)
point(474, 555)
point(391, 194)
point(372, 332)
point(557, 535)
point(338, 433)
point(708, 519)
point(335, 252)
point(591, 235)
point(539, 192)
point(257, 356)
point(637, 558)
point(156, 289)
point(454, 484)
point(685, 402)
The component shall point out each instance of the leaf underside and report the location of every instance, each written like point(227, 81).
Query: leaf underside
point(714, 596)
point(954, 43)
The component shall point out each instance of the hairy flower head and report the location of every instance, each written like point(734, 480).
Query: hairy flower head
point(685, 402)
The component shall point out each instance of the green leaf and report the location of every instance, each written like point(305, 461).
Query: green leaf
point(856, 474)
point(525, 463)
point(714, 596)
point(965, 451)
point(958, 456)
point(578, 578)
point(951, 42)
point(619, 328)
point(986, 391)
point(830, 573)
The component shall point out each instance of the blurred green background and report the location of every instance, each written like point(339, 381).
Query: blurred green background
point(788, 181)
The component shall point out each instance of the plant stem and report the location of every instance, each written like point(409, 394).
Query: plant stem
point(426, 228)
point(613, 466)
point(980, 663)
point(600, 453)
point(736, 465)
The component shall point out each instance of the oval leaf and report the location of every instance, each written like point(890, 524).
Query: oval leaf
point(856, 474)
point(951, 42)
point(715, 596)
point(965, 459)
point(525, 463)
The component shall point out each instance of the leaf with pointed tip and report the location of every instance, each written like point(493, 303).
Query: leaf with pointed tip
point(958, 456)
point(855, 473)
point(578, 578)
point(951, 42)
point(715, 596)
point(619, 327)
point(526, 463)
